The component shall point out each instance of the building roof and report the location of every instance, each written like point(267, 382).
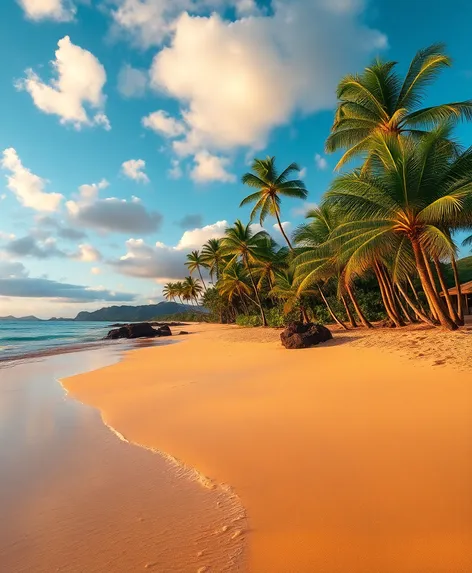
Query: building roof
point(466, 288)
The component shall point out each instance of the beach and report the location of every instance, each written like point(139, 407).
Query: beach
point(77, 498)
point(354, 456)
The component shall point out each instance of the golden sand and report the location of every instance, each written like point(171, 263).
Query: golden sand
point(349, 457)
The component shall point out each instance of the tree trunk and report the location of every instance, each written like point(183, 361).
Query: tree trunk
point(331, 311)
point(350, 316)
point(415, 294)
point(421, 315)
point(304, 316)
point(404, 310)
point(201, 278)
point(357, 307)
point(428, 287)
point(447, 296)
point(391, 294)
point(383, 294)
point(276, 210)
point(460, 306)
point(256, 292)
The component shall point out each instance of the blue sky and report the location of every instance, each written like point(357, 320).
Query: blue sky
point(127, 124)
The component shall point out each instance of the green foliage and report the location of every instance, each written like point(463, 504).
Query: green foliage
point(187, 316)
point(248, 321)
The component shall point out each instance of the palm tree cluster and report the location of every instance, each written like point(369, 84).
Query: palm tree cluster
point(390, 220)
point(187, 291)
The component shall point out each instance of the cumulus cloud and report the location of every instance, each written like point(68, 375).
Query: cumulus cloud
point(28, 247)
point(161, 122)
point(226, 75)
point(26, 287)
point(12, 270)
point(76, 91)
point(175, 171)
point(210, 168)
point(87, 254)
point(134, 169)
point(111, 214)
point(303, 210)
point(61, 230)
point(27, 186)
point(163, 262)
point(132, 82)
point(58, 10)
point(321, 162)
point(190, 221)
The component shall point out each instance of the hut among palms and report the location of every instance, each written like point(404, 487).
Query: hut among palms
point(466, 290)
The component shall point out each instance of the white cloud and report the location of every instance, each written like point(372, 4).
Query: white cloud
point(58, 10)
point(226, 75)
point(161, 122)
point(303, 210)
point(246, 8)
point(132, 82)
point(175, 171)
point(321, 162)
point(209, 168)
point(95, 270)
point(111, 214)
point(87, 254)
point(286, 225)
point(134, 169)
point(162, 262)
point(27, 186)
point(78, 85)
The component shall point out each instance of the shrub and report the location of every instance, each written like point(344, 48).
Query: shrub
point(248, 321)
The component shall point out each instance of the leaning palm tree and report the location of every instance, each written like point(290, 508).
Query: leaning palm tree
point(241, 243)
point(180, 291)
point(169, 292)
point(271, 186)
point(212, 257)
point(414, 190)
point(287, 290)
point(195, 262)
point(235, 284)
point(380, 101)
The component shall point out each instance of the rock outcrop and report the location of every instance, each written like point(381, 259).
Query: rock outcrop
point(298, 335)
point(140, 330)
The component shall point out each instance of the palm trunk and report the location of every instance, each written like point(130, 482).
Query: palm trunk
point(331, 311)
point(357, 307)
point(304, 316)
point(404, 310)
point(421, 315)
point(415, 294)
point(256, 292)
point(391, 294)
point(244, 305)
point(385, 299)
point(201, 278)
point(276, 210)
point(447, 296)
point(350, 316)
point(460, 306)
point(428, 287)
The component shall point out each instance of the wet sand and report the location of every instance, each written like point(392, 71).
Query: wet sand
point(349, 458)
point(75, 498)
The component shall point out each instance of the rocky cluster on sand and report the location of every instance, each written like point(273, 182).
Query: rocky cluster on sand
point(141, 330)
point(299, 335)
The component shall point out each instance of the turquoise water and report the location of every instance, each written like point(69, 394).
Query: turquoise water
point(23, 338)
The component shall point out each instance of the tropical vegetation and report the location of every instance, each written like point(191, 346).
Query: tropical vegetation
point(381, 244)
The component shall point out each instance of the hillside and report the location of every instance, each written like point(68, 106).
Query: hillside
point(134, 313)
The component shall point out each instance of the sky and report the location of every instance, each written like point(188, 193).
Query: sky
point(126, 126)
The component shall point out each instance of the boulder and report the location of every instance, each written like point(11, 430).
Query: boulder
point(183, 332)
point(141, 330)
point(164, 331)
point(299, 335)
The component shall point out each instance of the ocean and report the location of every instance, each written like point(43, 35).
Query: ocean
point(23, 338)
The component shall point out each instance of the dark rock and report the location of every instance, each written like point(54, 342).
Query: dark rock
point(183, 332)
point(164, 331)
point(298, 335)
point(141, 330)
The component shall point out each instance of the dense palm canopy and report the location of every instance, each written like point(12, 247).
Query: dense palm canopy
point(383, 231)
point(271, 186)
point(380, 101)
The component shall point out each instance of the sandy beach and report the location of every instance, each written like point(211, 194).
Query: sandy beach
point(350, 457)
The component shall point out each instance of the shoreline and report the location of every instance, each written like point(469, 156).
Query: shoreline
point(115, 480)
point(195, 411)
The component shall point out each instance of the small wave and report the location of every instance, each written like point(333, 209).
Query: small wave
point(38, 338)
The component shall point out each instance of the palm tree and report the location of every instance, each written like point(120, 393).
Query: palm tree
point(271, 187)
point(179, 290)
point(274, 260)
point(379, 101)
point(414, 189)
point(169, 291)
point(241, 243)
point(212, 257)
point(235, 283)
point(192, 289)
point(195, 261)
point(286, 289)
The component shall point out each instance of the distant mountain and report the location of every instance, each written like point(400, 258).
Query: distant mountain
point(25, 318)
point(134, 313)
